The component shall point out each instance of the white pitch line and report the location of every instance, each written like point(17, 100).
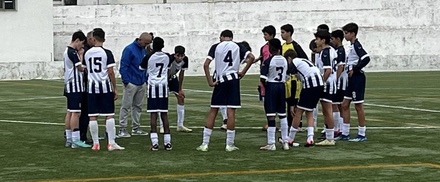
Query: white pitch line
point(32, 98)
point(258, 128)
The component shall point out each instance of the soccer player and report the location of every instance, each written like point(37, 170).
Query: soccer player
point(293, 83)
point(269, 33)
point(312, 89)
point(134, 85)
point(74, 88)
point(357, 59)
point(328, 58)
point(157, 65)
point(273, 75)
point(179, 63)
point(102, 90)
point(342, 78)
point(227, 55)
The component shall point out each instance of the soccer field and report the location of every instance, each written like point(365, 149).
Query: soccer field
point(402, 111)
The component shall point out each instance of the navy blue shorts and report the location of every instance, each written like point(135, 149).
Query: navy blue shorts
point(338, 97)
point(226, 94)
point(102, 104)
point(74, 101)
point(309, 97)
point(329, 92)
point(356, 88)
point(173, 85)
point(157, 98)
point(275, 99)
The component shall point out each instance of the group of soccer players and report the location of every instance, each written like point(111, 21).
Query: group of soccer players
point(287, 76)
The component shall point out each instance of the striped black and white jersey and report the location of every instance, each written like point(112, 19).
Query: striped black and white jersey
point(274, 69)
point(356, 55)
point(227, 56)
point(98, 61)
point(157, 65)
point(343, 79)
point(309, 73)
point(177, 66)
point(73, 78)
point(328, 57)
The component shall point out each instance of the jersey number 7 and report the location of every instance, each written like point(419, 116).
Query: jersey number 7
point(160, 65)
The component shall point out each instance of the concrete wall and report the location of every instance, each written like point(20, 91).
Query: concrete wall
point(398, 34)
point(26, 41)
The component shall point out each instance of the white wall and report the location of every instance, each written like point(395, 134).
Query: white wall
point(26, 40)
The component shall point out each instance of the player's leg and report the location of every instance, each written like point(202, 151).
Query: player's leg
point(136, 110)
point(93, 105)
point(358, 100)
point(315, 117)
point(329, 122)
point(108, 110)
point(346, 115)
point(153, 132)
point(181, 114)
point(161, 130)
point(163, 107)
point(224, 113)
point(83, 119)
point(74, 105)
point(233, 102)
point(68, 130)
point(270, 106)
point(127, 102)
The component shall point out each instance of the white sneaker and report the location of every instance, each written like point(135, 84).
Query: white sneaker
point(123, 134)
point(230, 148)
point(203, 148)
point(269, 147)
point(138, 132)
point(285, 146)
point(184, 129)
point(224, 127)
point(114, 146)
point(326, 143)
point(161, 130)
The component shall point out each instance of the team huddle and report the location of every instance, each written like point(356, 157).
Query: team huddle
point(287, 77)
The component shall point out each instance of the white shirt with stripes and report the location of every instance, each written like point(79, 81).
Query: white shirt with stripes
point(309, 73)
point(73, 78)
point(98, 61)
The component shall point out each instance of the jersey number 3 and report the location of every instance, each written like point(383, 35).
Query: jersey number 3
point(95, 65)
point(228, 58)
point(280, 74)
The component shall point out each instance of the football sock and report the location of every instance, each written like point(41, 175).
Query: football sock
point(230, 137)
point(111, 131)
point(180, 114)
point(330, 134)
point(75, 135)
point(206, 135)
point(68, 134)
point(93, 127)
point(284, 129)
point(361, 130)
point(166, 138)
point(310, 133)
point(345, 129)
point(336, 116)
point(154, 138)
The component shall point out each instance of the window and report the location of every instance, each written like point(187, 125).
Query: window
point(7, 5)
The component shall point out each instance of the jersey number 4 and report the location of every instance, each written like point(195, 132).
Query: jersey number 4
point(228, 58)
point(95, 65)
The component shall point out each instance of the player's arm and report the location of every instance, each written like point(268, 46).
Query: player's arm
point(246, 54)
point(364, 58)
point(124, 65)
point(144, 63)
point(264, 71)
point(75, 58)
point(211, 56)
point(111, 74)
point(325, 57)
point(341, 63)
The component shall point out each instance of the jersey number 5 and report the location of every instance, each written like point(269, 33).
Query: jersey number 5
point(280, 74)
point(228, 58)
point(95, 65)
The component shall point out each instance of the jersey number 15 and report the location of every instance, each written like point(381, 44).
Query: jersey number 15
point(95, 65)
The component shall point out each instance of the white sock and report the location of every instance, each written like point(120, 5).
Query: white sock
point(310, 133)
point(206, 135)
point(361, 130)
point(93, 125)
point(180, 114)
point(340, 122)
point(336, 116)
point(284, 129)
point(68, 134)
point(160, 120)
point(230, 137)
point(111, 131)
point(75, 135)
point(345, 129)
point(292, 134)
point(154, 138)
point(223, 110)
point(166, 138)
point(330, 134)
point(271, 135)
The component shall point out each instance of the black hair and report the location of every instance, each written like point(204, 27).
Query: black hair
point(313, 45)
point(158, 44)
point(99, 34)
point(245, 45)
point(338, 34)
point(288, 28)
point(178, 49)
point(351, 27)
point(323, 27)
point(78, 35)
point(290, 54)
point(323, 35)
point(270, 29)
point(227, 33)
point(274, 45)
